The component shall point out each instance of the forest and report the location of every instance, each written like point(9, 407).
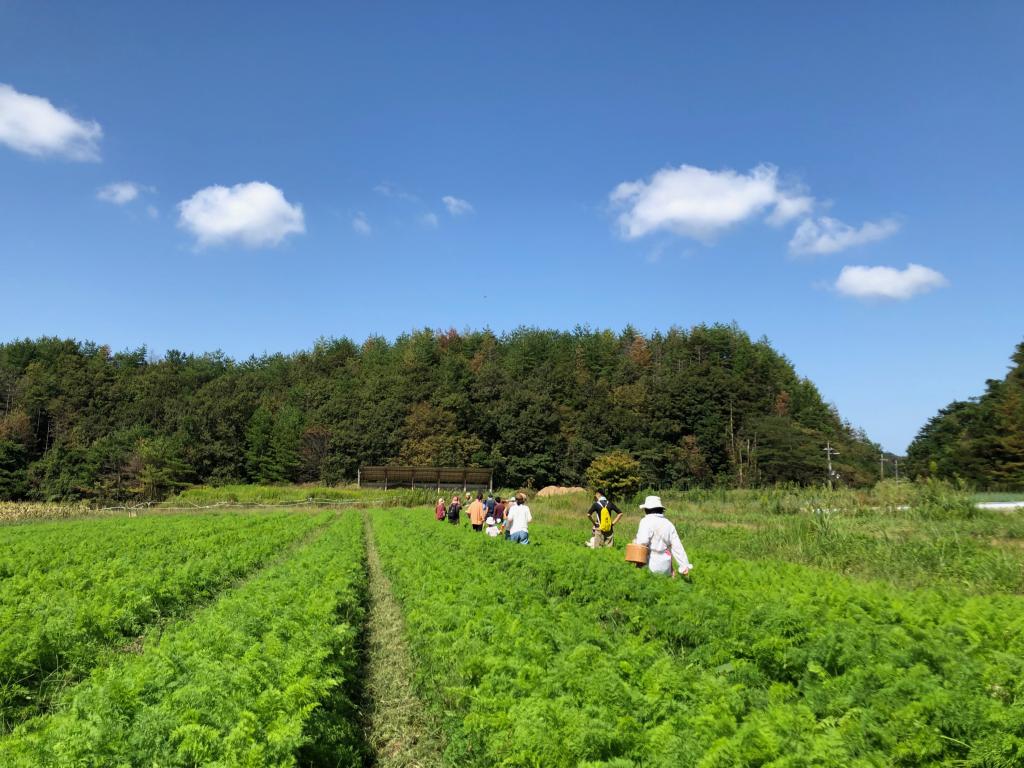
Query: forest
point(978, 441)
point(692, 407)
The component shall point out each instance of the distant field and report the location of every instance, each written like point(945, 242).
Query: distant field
point(819, 629)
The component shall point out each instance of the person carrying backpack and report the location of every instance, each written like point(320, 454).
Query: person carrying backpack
point(600, 514)
point(453, 510)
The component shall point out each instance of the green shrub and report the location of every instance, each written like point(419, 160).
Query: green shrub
point(617, 473)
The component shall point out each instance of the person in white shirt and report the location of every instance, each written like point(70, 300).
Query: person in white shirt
point(492, 527)
point(518, 520)
point(660, 537)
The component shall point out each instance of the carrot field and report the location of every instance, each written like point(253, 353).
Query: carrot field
point(847, 635)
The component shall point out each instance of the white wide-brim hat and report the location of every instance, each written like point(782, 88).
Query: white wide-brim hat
point(652, 502)
point(489, 521)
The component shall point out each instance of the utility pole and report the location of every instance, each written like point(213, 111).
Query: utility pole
point(896, 462)
point(830, 452)
point(881, 465)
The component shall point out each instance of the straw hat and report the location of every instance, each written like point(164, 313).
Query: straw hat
point(652, 502)
point(489, 521)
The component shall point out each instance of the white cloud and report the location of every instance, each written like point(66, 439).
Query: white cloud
point(120, 192)
point(361, 224)
point(456, 206)
point(827, 235)
point(255, 214)
point(31, 124)
point(699, 203)
point(153, 212)
point(429, 220)
point(887, 282)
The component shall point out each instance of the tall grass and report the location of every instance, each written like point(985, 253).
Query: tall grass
point(298, 494)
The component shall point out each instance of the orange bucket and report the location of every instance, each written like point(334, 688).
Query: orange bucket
point(637, 553)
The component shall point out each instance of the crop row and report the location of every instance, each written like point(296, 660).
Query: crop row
point(70, 592)
point(261, 677)
point(557, 655)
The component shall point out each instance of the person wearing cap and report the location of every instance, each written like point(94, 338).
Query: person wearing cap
point(518, 520)
point(658, 534)
point(603, 536)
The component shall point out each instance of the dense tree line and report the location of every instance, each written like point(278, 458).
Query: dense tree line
point(980, 441)
point(695, 407)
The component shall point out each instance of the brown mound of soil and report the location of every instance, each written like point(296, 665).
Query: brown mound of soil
point(559, 490)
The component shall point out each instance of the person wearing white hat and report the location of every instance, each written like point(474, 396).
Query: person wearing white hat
point(659, 535)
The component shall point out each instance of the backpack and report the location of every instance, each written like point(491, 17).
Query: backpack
point(605, 526)
point(453, 512)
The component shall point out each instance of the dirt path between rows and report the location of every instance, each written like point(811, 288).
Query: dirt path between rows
point(397, 730)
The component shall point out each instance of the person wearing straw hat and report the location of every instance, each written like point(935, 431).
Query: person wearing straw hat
point(658, 534)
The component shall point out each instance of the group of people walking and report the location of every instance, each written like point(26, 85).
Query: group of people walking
point(511, 518)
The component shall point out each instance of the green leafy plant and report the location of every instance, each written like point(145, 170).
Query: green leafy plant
point(616, 473)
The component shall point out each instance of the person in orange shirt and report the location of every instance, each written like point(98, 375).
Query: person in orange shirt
point(476, 513)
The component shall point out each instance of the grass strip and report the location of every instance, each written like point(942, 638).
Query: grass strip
point(399, 733)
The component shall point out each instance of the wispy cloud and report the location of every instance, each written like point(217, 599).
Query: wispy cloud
point(31, 124)
point(361, 225)
point(390, 189)
point(827, 235)
point(255, 214)
point(457, 206)
point(121, 192)
point(788, 208)
point(700, 203)
point(888, 282)
point(429, 220)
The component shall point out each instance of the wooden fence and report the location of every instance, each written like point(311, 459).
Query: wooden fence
point(476, 478)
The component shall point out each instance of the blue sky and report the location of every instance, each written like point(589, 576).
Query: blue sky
point(604, 163)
